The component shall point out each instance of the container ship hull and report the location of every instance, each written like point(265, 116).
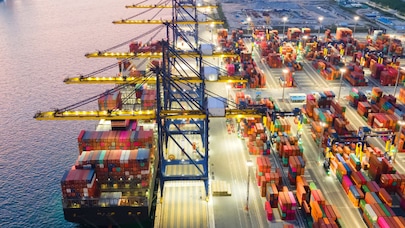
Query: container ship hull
point(110, 216)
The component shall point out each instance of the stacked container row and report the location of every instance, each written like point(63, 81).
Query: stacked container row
point(242, 100)
point(79, 183)
point(112, 140)
point(123, 166)
point(288, 146)
point(254, 131)
point(296, 167)
point(110, 101)
point(138, 47)
point(355, 75)
point(286, 204)
point(148, 99)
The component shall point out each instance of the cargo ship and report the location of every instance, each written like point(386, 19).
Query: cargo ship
point(113, 181)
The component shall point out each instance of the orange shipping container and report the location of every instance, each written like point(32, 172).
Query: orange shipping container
point(316, 211)
point(399, 222)
point(385, 196)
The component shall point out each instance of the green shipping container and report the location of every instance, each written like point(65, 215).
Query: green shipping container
point(284, 160)
point(304, 119)
point(387, 213)
point(354, 95)
point(340, 223)
point(312, 186)
point(339, 176)
point(365, 189)
point(362, 204)
point(301, 148)
point(276, 108)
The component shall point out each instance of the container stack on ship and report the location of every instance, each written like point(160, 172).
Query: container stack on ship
point(113, 178)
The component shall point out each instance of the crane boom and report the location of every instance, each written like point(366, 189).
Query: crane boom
point(155, 55)
point(171, 6)
point(159, 22)
point(95, 115)
point(138, 115)
point(149, 80)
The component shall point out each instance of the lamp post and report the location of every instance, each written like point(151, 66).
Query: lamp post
point(342, 71)
point(356, 18)
point(304, 43)
point(396, 82)
point(323, 125)
point(249, 163)
point(320, 24)
point(284, 82)
point(285, 72)
point(284, 20)
point(401, 124)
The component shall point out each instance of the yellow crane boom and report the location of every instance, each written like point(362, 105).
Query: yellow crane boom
point(171, 6)
point(155, 55)
point(159, 22)
point(138, 115)
point(149, 80)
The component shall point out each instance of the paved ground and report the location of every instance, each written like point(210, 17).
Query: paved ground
point(299, 13)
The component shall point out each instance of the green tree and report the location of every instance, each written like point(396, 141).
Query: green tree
point(392, 4)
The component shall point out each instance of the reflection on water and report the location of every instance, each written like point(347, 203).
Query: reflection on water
point(41, 43)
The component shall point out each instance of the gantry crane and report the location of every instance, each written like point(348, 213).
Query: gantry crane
point(181, 97)
point(360, 139)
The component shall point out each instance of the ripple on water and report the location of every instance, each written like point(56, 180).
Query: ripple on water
point(41, 43)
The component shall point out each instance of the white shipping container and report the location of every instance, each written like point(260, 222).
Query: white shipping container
point(370, 212)
point(81, 157)
point(316, 95)
point(127, 156)
point(122, 156)
point(317, 110)
point(378, 123)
